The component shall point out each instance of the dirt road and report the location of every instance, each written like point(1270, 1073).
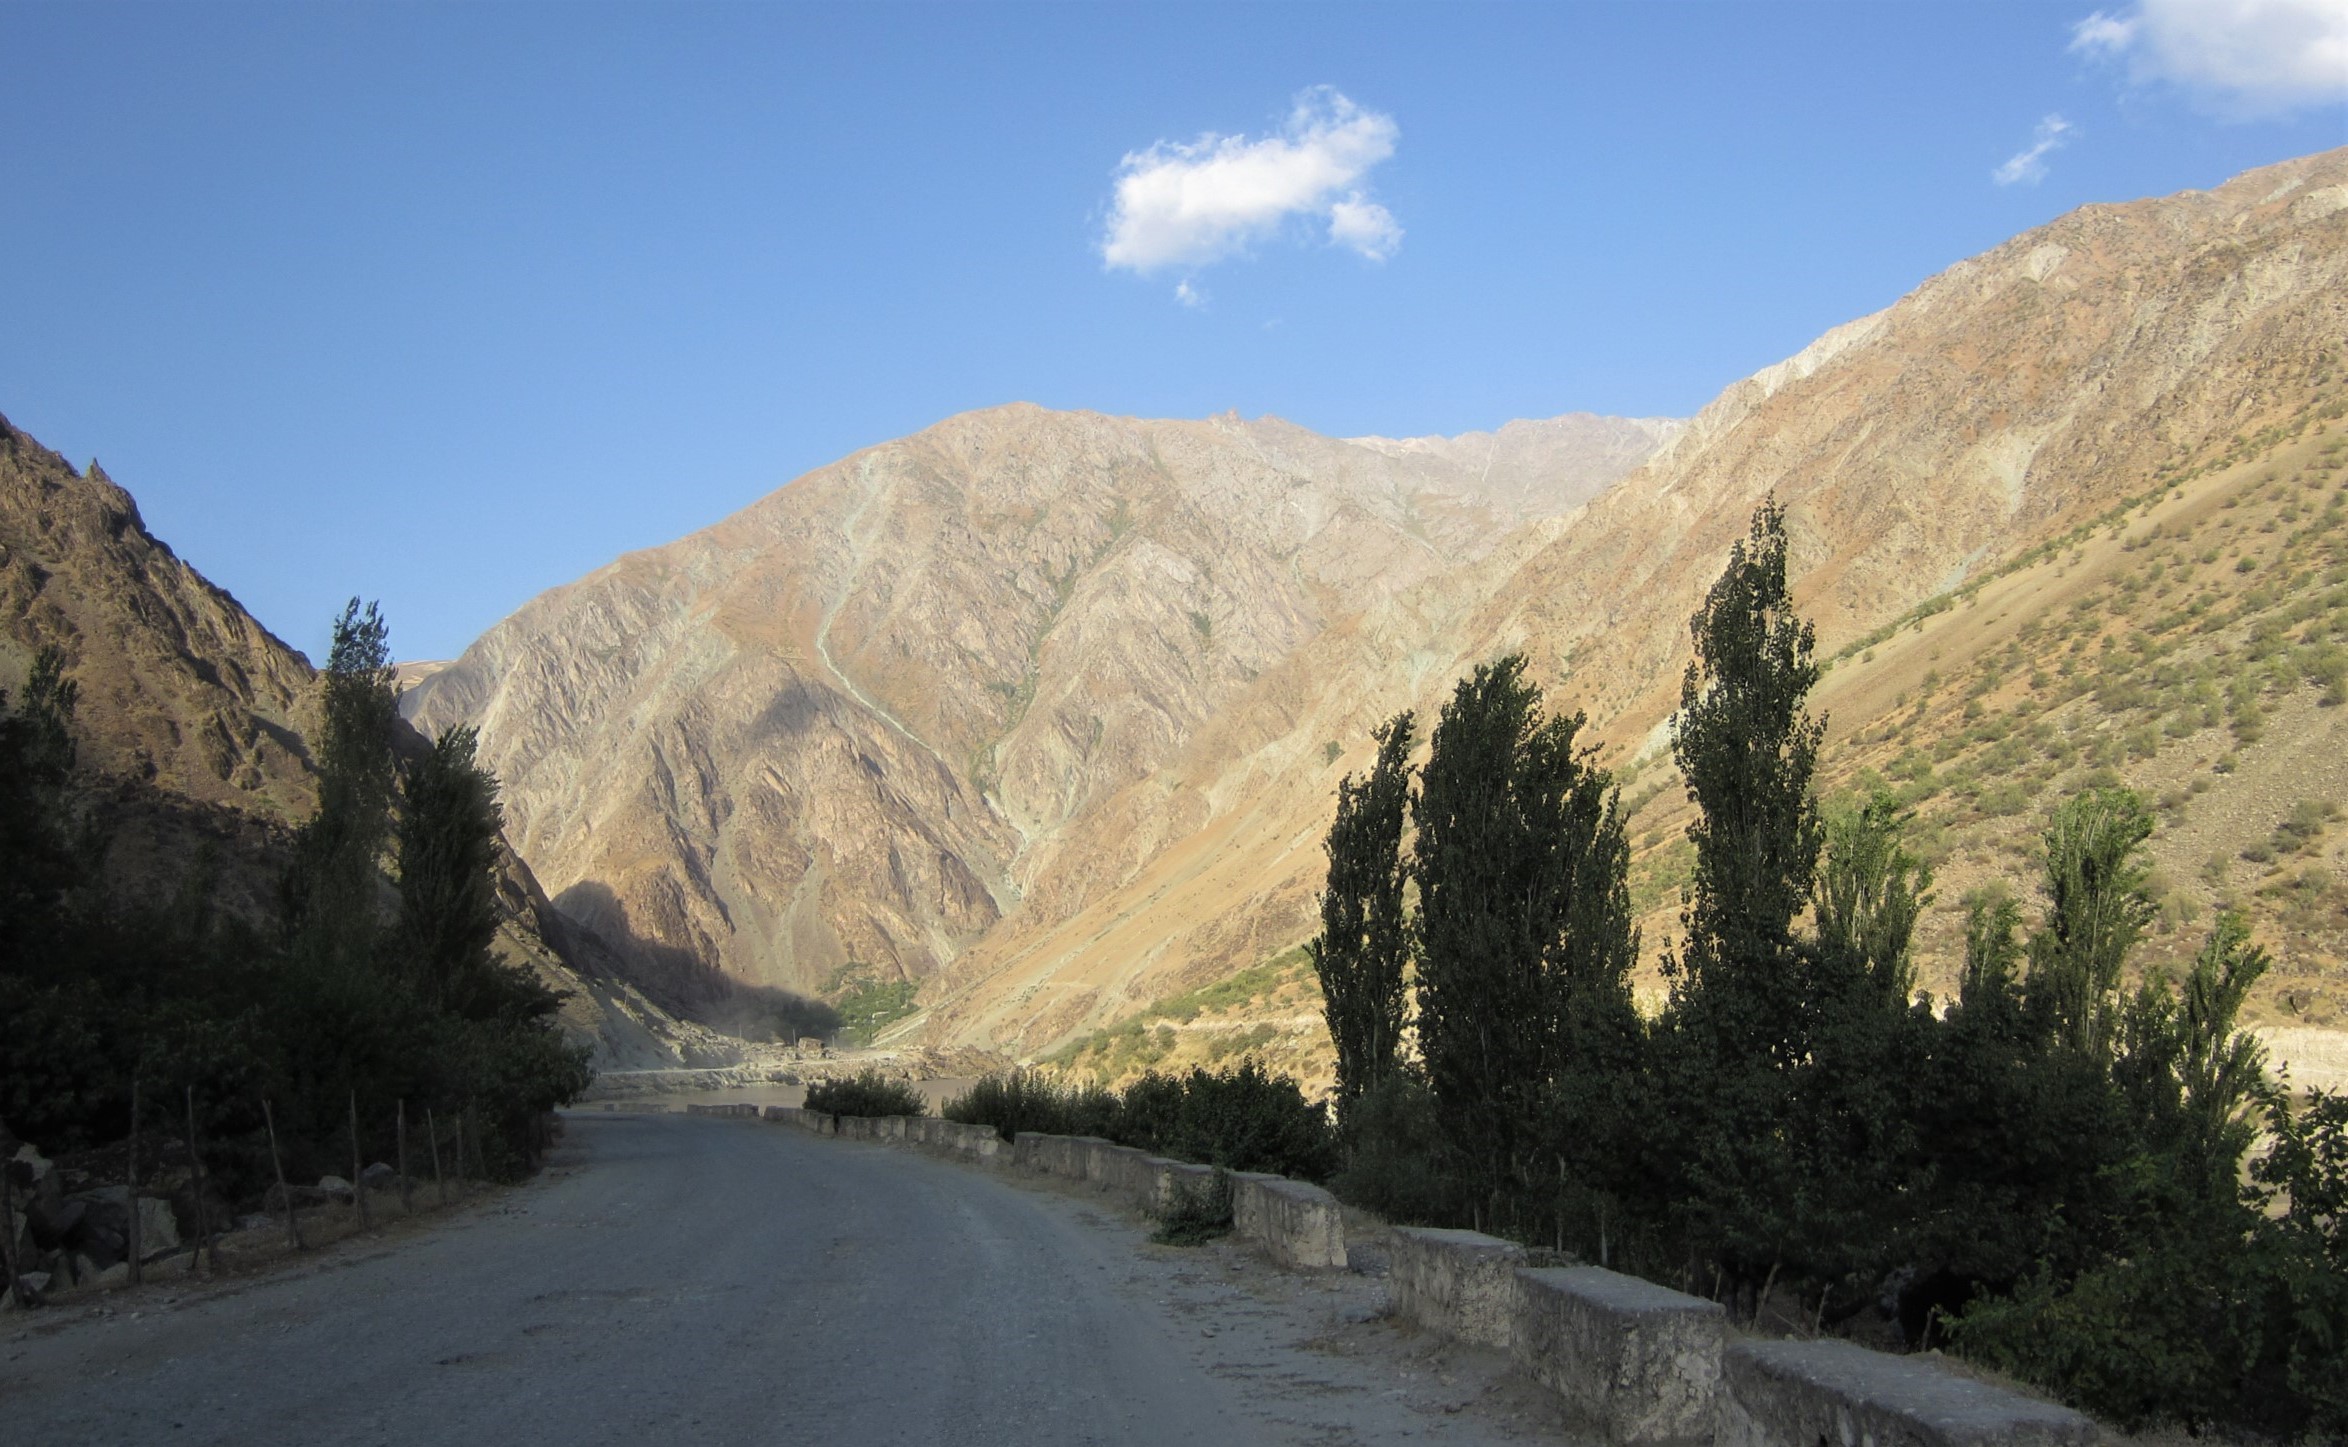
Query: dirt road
point(722, 1282)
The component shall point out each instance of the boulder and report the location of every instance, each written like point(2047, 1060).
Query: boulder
point(102, 1232)
point(379, 1177)
point(51, 1221)
point(158, 1228)
point(334, 1188)
point(34, 1285)
point(29, 1172)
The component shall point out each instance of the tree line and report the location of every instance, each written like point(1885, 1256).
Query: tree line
point(372, 982)
point(2077, 1172)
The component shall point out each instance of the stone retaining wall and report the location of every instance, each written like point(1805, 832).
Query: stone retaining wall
point(1800, 1393)
point(1459, 1283)
point(1300, 1226)
point(1639, 1362)
point(1641, 1365)
point(1644, 1366)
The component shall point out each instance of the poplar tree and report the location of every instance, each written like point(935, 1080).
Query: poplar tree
point(1748, 748)
point(447, 876)
point(330, 893)
point(1524, 937)
point(1364, 942)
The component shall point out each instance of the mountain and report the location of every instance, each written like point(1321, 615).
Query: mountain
point(190, 728)
point(1047, 709)
point(1997, 405)
point(858, 722)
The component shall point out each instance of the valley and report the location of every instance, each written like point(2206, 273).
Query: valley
point(1043, 712)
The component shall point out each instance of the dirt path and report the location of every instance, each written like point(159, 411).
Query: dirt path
point(728, 1282)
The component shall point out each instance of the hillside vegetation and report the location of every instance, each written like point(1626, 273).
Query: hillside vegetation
point(2191, 644)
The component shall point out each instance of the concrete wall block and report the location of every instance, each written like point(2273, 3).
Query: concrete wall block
point(1027, 1152)
point(1118, 1172)
point(1154, 1185)
point(1180, 1178)
point(1459, 1283)
point(1083, 1152)
point(1803, 1393)
point(1640, 1362)
point(1297, 1225)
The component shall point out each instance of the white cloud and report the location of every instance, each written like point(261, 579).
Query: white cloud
point(1366, 226)
point(2030, 165)
point(2243, 57)
point(1189, 295)
point(1187, 204)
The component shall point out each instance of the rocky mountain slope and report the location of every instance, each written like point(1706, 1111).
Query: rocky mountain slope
point(1996, 406)
point(190, 728)
point(1048, 709)
point(860, 720)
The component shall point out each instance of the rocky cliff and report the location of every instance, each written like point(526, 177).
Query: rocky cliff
point(1999, 404)
point(859, 720)
point(1048, 708)
point(190, 723)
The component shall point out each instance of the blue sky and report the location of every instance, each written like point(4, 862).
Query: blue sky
point(448, 305)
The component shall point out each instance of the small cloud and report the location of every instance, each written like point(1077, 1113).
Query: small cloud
point(1190, 204)
point(2241, 57)
point(2030, 165)
point(1366, 226)
point(1189, 295)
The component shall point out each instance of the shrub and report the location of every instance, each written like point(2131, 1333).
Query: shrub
point(869, 1093)
point(1391, 1143)
point(1019, 1100)
point(1246, 1119)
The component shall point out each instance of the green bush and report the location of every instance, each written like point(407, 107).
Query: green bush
point(1025, 1100)
point(1245, 1119)
point(868, 1093)
point(1391, 1144)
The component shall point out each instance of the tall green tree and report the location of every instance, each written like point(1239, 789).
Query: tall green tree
point(1870, 893)
point(1524, 936)
point(1748, 749)
point(332, 916)
point(2096, 911)
point(1747, 1161)
point(448, 879)
point(1364, 944)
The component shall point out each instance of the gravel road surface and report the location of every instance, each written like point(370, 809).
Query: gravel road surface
point(675, 1279)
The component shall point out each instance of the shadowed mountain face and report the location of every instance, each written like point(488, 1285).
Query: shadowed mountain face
point(189, 729)
point(1044, 703)
point(179, 686)
point(857, 720)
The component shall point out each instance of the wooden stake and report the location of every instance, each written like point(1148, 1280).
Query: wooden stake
point(405, 1207)
point(137, 1246)
point(8, 1238)
point(293, 1219)
point(432, 1128)
point(460, 1155)
point(204, 1239)
point(358, 1187)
